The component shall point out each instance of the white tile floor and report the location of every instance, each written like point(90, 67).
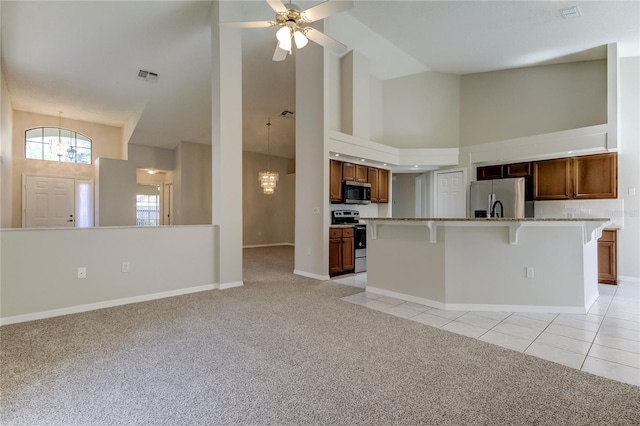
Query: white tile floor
point(605, 341)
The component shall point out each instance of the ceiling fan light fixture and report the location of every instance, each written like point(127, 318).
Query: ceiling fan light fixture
point(300, 39)
point(284, 35)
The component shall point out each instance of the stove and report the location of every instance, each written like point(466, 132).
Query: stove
point(348, 217)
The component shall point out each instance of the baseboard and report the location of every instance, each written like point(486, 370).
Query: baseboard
point(101, 305)
point(406, 297)
point(268, 245)
point(479, 307)
point(629, 279)
point(234, 284)
point(310, 275)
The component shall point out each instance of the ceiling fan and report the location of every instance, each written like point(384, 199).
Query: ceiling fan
point(294, 26)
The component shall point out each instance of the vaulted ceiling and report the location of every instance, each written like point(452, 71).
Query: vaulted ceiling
point(83, 58)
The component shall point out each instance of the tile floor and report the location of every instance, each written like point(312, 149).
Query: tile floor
point(605, 341)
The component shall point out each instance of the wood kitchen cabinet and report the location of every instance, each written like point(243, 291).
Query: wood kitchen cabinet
point(608, 257)
point(595, 176)
point(552, 179)
point(335, 181)
point(348, 171)
point(516, 170)
point(373, 181)
point(489, 172)
point(586, 177)
point(341, 250)
point(383, 186)
point(361, 173)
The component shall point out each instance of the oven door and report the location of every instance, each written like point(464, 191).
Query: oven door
point(360, 237)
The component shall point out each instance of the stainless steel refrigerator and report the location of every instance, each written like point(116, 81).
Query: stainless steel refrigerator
point(502, 197)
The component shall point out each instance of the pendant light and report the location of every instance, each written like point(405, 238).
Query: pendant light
point(57, 148)
point(268, 179)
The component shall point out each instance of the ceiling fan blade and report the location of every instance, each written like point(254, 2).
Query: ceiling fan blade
point(280, 54)
point(327, 8)
point(277, 5)
point(326, 41)
point(252, 24)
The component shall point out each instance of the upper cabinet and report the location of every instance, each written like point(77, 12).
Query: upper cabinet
point(552, 179)
point(595, 176)
point(587, 177)
point(373, 180)
point(339, 172)
point(383, 186)
point(335, 181)
point(354, 172)
point(489, 172)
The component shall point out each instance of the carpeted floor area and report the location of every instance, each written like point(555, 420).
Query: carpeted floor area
point(283, 349)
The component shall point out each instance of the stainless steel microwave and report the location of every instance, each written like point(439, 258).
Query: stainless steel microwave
point(356, 192)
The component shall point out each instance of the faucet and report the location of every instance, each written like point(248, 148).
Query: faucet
point(493, 209)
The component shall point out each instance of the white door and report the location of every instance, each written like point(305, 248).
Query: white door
point(451, 195)
point(49, 202)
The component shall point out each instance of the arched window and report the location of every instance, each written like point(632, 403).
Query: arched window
point(57, 144)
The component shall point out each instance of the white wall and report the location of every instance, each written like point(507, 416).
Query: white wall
point(6, 157)
point(514, 103)
point(148, 157)
point(422, 111)
point(115, 192)
point(163, 261)
point(629, 167)
point(404, 194)
point(312, 162)
point(192, 184)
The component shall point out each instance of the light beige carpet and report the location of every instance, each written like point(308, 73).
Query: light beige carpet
point(283, 350)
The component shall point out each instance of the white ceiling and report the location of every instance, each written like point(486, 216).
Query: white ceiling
point(82, 58)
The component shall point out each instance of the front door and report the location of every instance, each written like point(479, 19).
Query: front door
point(49, 202)
point(451, 198)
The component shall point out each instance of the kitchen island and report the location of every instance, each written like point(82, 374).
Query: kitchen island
point(490, 264)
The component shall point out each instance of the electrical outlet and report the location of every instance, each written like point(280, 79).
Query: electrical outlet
point(82, 272)
point(529, 272)
point(125, 267)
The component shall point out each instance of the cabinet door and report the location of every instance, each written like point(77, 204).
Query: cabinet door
point(335, 181)
point(607, 258)
point(383, 186)
point(348, 171)
point(595, 176)
point(348, 254)
point(552, 179)
point(335, 256)
point(373, 180)
point(361, 173)
point(489, 172)
point(516, 170)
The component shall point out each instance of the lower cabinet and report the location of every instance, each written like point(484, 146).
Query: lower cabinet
point(341, 250)
point(608, 257)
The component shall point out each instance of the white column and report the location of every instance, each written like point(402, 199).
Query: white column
point(312, 163)
point(226, 121)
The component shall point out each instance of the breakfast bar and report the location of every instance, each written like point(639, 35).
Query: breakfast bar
point(490, 264)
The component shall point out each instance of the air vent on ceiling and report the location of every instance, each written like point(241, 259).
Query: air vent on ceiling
point(286, 112)
point(147, 75)
point(570, 12)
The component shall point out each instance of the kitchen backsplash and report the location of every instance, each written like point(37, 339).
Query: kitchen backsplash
point(613, 209)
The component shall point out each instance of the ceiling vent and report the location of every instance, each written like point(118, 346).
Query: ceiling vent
point(570, 12)
point(147, 75)
point(286, 112)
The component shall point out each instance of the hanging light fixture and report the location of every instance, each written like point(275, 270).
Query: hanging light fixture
point(57, 147)
point(268, 180)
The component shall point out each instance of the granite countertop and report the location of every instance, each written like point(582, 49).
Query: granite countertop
point(488, 219)
point(349, 225)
